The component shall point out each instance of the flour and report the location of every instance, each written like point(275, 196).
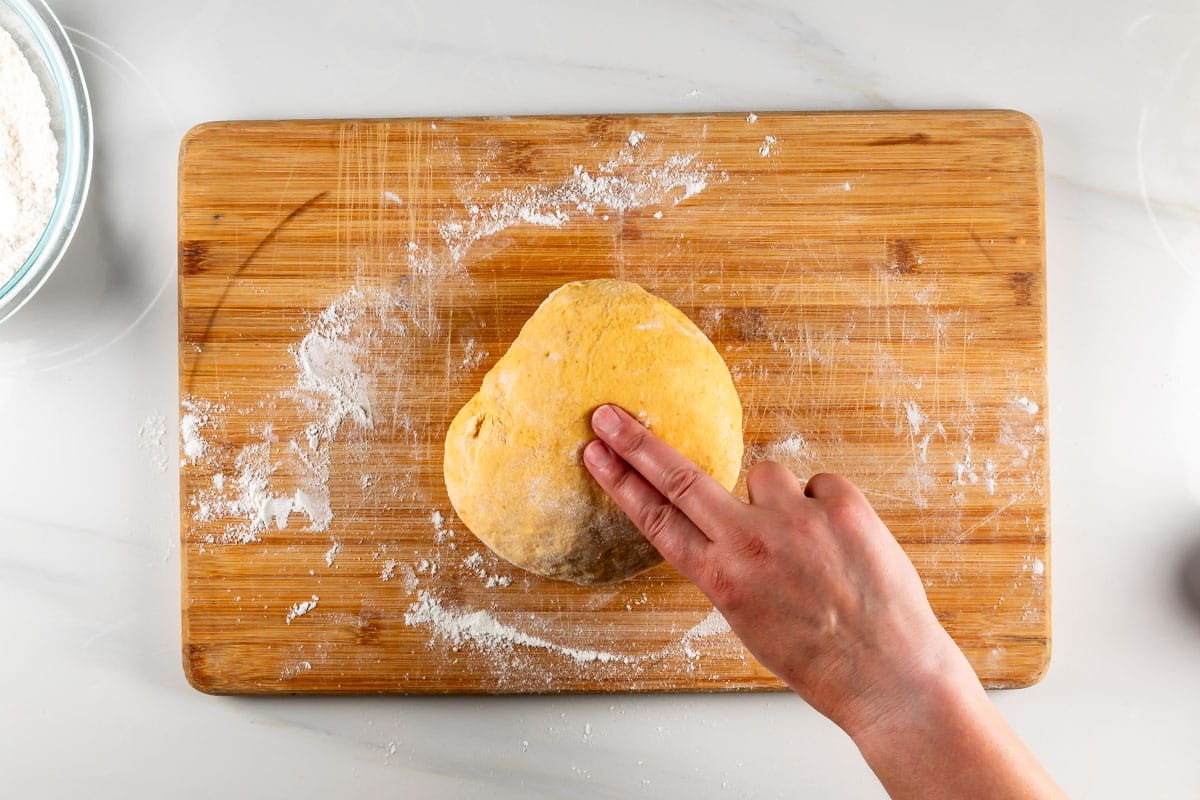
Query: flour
point(249, 499)
point(300, 609)
point(483, 631)
point(294, 670)
point(916, 418)
point(714, 624)
point(332, 552)
point(793, 451)
point(194, 445)
point(440, 531)
point(28, 160)
point(1025, 404)
point(199, 415)
point(152, 439)
point(332, 391)
point(472, 355)
point(621, 184)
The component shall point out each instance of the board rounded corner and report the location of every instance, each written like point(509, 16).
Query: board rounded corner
point(1028, 123)
point(194, 673)
point(192, 134)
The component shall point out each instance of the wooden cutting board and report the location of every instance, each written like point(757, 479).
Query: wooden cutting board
point(875, 282)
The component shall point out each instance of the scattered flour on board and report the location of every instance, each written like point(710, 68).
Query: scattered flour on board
point(198, 415)
point(331, 389)
point(472, 355)
point(389, 569)
point(475, 564)
point(440, 531)
point(294, 670)
point(618, 185)
point(482, 630)
point(714, 624)
point(1025, 404)
point(916, 418)
point(302, 608)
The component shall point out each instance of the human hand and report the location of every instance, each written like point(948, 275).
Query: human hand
point(808, 577)
point(821, 594)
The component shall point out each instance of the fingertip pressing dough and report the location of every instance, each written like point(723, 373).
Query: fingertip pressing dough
point(513, 464)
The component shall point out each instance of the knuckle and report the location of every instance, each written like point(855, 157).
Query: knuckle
point(844, 510)
point(722, 588)
point(656, 520)
point(771, 482)
point(619, 478)
point(678, 482)
point(769, 470)
point(817, 484)
point(828, 485)
point(633, 440)
point(755, 547)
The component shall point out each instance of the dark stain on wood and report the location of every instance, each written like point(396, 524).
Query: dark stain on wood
point(367, 628)
point(902, 257)
point(983, 248)
point(519, 159)
point(192, 257)
point(631, 230)
point(1022, 286)
point(919, 137)
point(598, 128)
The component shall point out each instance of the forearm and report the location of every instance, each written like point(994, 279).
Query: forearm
point(950, 741)
point(823, 595)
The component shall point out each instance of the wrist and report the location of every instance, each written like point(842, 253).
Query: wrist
point(933, 692)
point(941, 737)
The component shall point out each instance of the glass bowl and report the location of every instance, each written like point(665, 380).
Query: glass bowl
point(42, 39)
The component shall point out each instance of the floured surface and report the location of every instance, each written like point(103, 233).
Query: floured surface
point(875, 283)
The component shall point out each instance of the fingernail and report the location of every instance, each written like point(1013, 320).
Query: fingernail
point(597, 454)
point(605, 420)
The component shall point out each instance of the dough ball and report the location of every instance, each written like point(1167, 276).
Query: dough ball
point(513, 463)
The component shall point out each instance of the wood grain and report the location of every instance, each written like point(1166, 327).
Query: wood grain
point(875, 282)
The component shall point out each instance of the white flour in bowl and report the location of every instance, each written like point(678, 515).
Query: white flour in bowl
point(28, 159)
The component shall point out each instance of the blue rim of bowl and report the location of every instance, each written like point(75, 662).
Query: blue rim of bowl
point(76, 165)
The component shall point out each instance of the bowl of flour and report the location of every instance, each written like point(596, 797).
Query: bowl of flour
point(45, 148)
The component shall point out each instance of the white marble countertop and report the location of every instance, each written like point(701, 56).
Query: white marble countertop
point(92, 696)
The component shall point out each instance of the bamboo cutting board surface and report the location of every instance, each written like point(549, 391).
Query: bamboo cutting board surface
point(875, 282)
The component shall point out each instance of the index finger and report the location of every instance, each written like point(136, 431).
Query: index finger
point(696, 493)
